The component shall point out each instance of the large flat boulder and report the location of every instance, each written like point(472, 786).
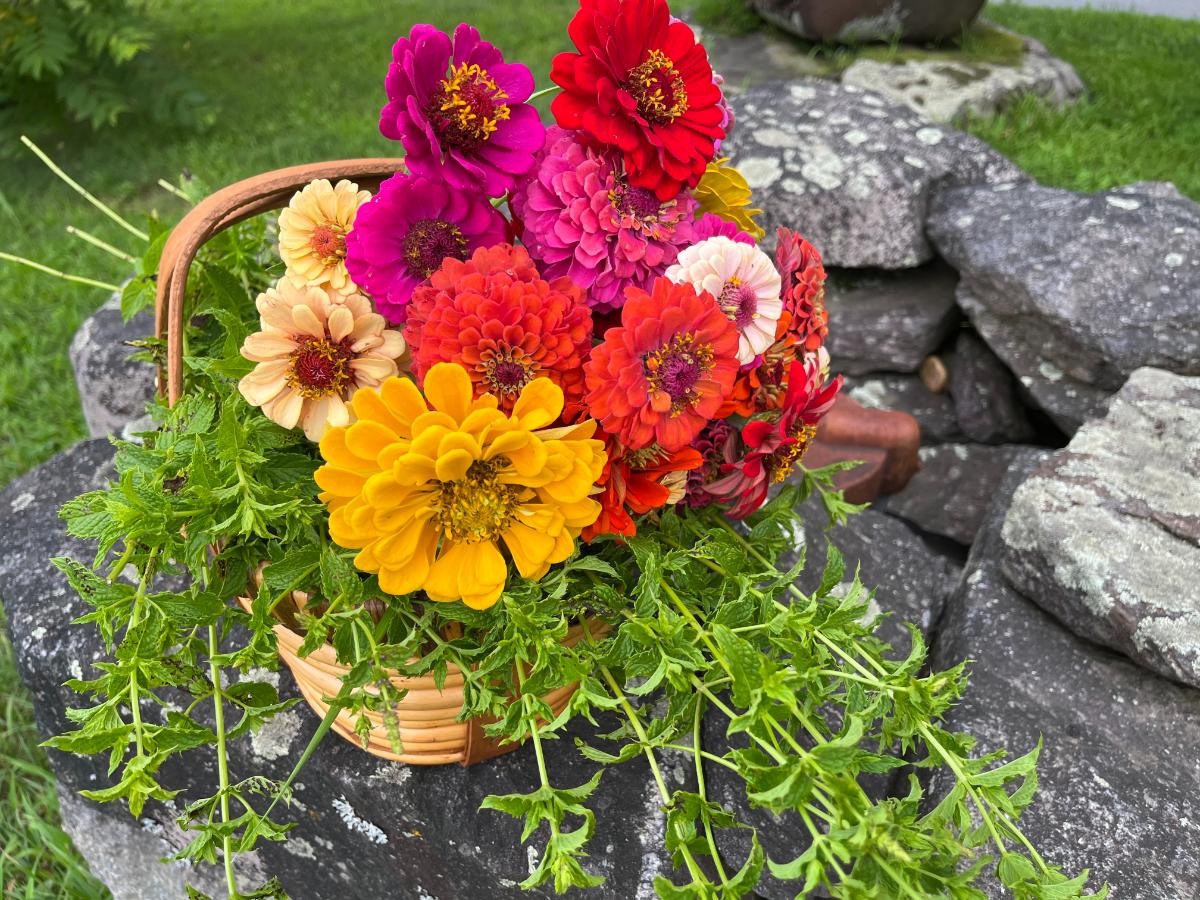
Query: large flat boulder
point(853, 172)
point(1119, 785)
point(883, 321)
point(1106, 534)
point(947, 89)
point(1075, 291)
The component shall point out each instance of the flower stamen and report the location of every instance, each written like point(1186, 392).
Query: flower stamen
point(658, 89)
point(468, 107)
point(675, 368)
point(478, 507)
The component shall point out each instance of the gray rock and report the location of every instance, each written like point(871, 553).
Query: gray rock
point(1119, 788)
point(754, 57)
point(949, 90)
point(889, 321)
point(951, 493)
point(114, 390)
point(907, 393)
point(854, 172)
point(1106, 534)
point(851, 21)
point(1075, 291)
point(986, 399)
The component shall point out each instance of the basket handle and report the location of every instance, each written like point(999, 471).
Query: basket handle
point(227, 207)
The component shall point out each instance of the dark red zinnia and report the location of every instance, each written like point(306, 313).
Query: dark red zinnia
point(805, 321)
point(641, 83)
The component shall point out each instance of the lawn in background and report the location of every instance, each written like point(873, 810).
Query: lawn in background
point(301, 81)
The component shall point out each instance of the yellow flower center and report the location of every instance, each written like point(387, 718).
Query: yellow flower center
point(787, 458)
point(320, 367)
point(676, 367)
point(478, 507)
point(328, 242)
point(658, 89)
point(468, 107)
point(506, 371)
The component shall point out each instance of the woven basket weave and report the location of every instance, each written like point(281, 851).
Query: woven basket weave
point(430, 729)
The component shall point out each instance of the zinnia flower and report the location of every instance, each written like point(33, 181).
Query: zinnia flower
point(495, 316)
point(745, 284)
point(313, 354)
point(760, 387)
point(637, 481)
point(718, 444)
point(313, 229)
point(805, 319)
point(642, 84)
point(709, 225)
point(584, 220)
point(724, 192)
point(460, 110)
point(428, 488)
point(405, 232)
point(661, 375)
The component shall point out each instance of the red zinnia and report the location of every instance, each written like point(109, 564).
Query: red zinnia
point(805, 319)
point(642, 84)
point(664, 373)
point(494, 315)
point(635, 482)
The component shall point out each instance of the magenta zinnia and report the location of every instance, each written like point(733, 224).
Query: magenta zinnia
point(460, 110)
point(406, 230)
point(583, 219)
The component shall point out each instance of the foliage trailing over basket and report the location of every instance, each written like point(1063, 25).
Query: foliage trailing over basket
point(706, 616)
point(84, 61)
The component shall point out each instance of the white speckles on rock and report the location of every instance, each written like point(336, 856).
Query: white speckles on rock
point(38, 633)
point(861, 169)
point(274, 740)
point(353, 822)
point(1173, 260)
point(1050, 372)
point(1123, 202)
point(298, 846)
point(760, 172)
point(21, 501)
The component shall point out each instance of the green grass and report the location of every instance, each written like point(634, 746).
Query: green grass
point(37, 860)
point(1141, 119)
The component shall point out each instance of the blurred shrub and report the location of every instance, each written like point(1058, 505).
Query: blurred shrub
point(85, 61)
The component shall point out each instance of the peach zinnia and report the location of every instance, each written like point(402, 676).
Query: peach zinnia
point(313, 353)
point(312, 233)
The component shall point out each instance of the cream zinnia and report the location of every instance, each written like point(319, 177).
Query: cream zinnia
point(745, 284)
point(312, 233)
point(314, 351)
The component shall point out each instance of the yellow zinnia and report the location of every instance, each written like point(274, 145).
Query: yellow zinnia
point(723, 192)
point(426, 488)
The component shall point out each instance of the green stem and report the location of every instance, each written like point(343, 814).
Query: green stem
point(544, 92)
point(103, 245)
point(697, 874)
point(697, 755)
point(74, 279)
point(535, 736)
point(214, 674)
point(135, 618)
point(79, 189)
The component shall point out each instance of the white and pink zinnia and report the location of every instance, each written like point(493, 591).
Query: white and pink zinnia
point(745, 284)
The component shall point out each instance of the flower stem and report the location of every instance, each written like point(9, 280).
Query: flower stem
point(135, 618)
point(214, 674)
point(697, 755)
point(103, 245)
point(544, 92)
point(79, 189)
point(64, 276)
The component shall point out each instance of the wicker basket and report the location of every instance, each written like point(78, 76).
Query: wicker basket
point(430, 728)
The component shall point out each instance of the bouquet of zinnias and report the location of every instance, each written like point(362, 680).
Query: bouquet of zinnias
point(492, 452)
point(635, 350)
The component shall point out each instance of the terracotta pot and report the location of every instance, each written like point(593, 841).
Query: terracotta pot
point(431, 732)
point(885, 442)
point(855, 21)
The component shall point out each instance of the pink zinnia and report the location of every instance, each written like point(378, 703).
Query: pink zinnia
point(711, 225)
point(460, 110)
point(584, 220)
point(401, 236)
